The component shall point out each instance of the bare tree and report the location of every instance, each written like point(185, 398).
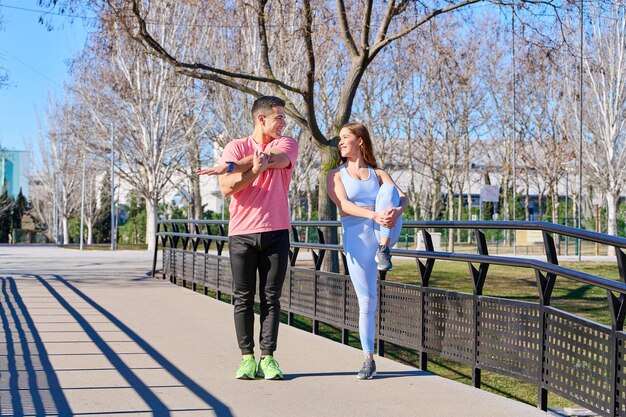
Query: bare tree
point(58, 174)
point(199, 133)
point(457, 96)
point(605, 119)
point(355, 32)
point(94, 187)
point(604, 103)
point(545, 147)
point(325, 58)
point(155, 113)
point(497, 71)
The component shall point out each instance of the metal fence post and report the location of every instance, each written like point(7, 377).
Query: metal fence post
point(545, 285)
point(618, 313)
point(380, 343)
point(478, 280)
point(293, 256)
point(318, 265)
point(156, 248)
point(425, 271)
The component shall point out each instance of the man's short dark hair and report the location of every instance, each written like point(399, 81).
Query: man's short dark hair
point(265, 104)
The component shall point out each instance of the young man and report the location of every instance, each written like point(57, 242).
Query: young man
point(255, 171)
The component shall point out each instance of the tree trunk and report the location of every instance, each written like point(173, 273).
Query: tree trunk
point(326, 208)
point(89, 233)
point(469, 204)
point(555, 214)
point(66, 231)
point(309, 204)
point(459, 207)
point(612, 199)
point(555, 206)
point(526, 203)
point(195, 199)
point(435, 202)
point(152, 210)
point(309, 211)
point(506, 215)
point(574, 209)
point(450, 218)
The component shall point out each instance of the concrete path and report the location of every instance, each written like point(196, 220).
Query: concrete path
point(89, 334)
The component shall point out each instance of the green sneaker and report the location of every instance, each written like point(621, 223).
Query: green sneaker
point(247, 368)
point(268, 368)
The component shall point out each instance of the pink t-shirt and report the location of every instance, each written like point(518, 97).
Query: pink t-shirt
point(262, 206)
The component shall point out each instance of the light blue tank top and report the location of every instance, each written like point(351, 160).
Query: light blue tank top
point(360, 192)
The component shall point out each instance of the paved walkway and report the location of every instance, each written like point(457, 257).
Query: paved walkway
point(89, 334)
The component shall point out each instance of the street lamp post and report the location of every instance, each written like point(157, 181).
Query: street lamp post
point(566, 210)
point(60, 210)
point(112, 192)
point(514, 84)
point(82, 209)
point(55, 214)
point(580, 143)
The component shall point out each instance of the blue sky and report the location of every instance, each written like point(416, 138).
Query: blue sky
point(37, 61)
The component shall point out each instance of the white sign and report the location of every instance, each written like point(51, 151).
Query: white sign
point(490, 193)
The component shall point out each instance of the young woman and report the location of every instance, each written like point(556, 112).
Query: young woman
point(371, 207)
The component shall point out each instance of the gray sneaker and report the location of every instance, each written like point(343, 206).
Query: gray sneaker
point(368, 371)
point(383, 258)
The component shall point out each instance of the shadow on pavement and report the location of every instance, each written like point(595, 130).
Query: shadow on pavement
point(26, 374)
point(29, 380)
point(379, 375)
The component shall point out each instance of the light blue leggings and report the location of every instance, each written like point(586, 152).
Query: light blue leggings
point(360, 242)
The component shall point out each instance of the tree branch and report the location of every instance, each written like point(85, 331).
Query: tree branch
point(309, 97)
point(265, 57)
point(365, 30)
point(345, 28)
point(384, 26)
point(378, 46)
point(145, 38)
point(290, 109)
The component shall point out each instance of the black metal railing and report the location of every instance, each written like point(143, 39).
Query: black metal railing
point(559, 352)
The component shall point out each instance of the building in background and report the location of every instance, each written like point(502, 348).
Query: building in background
point(14, 167)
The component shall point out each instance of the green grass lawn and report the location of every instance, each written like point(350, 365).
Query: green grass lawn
point(121, 246)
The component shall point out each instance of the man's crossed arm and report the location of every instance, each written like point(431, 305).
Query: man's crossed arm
point(277, 159)
point(246, 170)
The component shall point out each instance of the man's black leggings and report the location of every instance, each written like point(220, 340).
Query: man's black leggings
point(268, 254)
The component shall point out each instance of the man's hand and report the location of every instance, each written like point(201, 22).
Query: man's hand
point(216, 170)
point(259, 162)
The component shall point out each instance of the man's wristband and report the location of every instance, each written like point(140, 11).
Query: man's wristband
point(231, 167)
